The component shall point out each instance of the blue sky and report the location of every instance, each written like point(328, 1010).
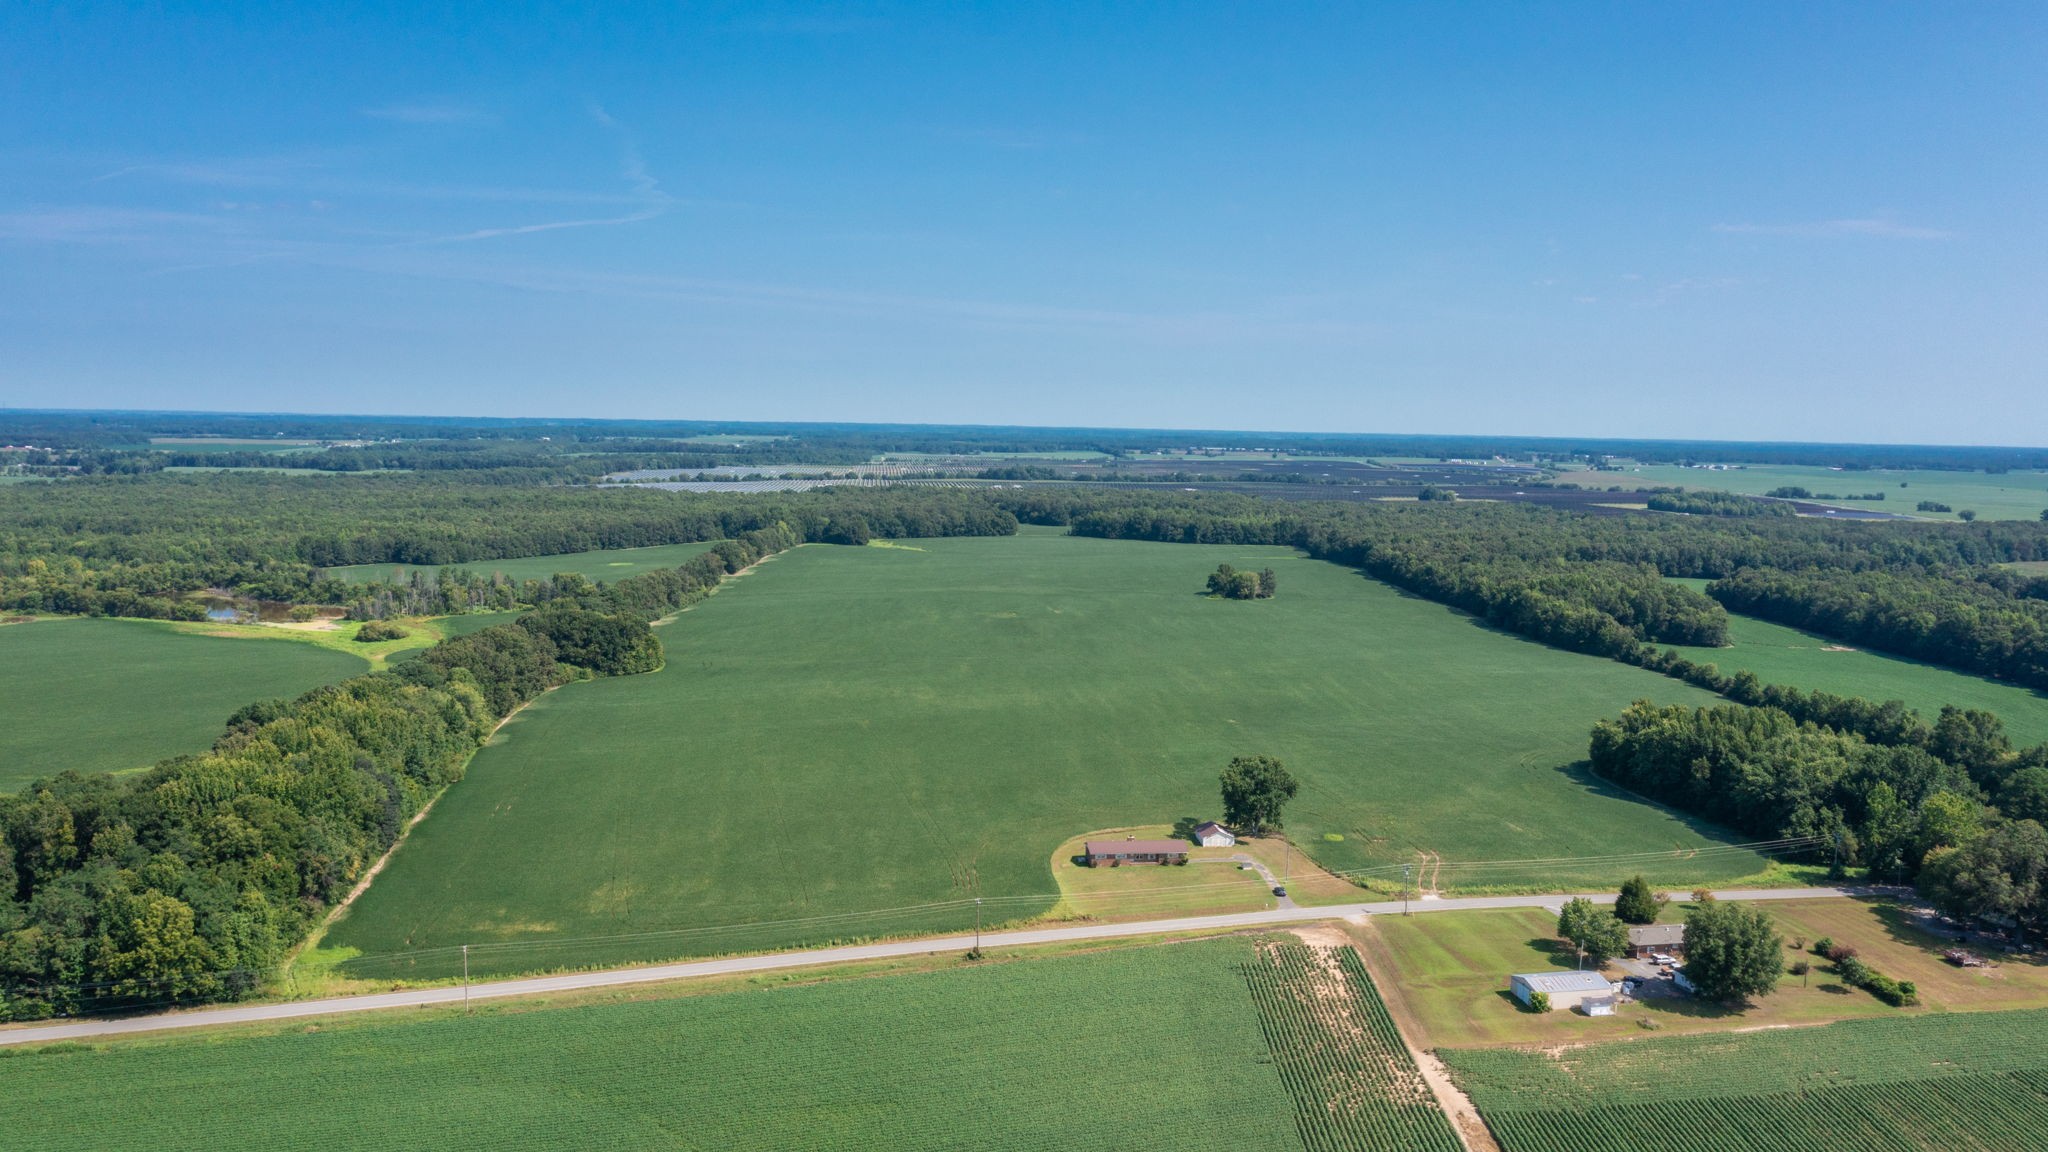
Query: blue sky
point(1805, 221)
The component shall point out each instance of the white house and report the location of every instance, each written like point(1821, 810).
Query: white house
point(1565, 989)
point(1214, 835)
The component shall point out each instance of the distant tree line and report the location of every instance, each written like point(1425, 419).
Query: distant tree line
point(1991, 621)
point(1717, 504)
point(136, 547)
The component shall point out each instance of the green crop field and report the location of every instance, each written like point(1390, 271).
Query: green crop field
point(2004, 496)
point(849, 730)
point(1920, 1084)
point(1781, 655)
point(110, 695)
point(606, 565)
point(1084, 1051)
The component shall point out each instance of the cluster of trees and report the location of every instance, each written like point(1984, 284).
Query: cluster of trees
point(1992, 622)
point(1231, 584)
point(190, 881)
point(1718, 504)
point(1959, 814)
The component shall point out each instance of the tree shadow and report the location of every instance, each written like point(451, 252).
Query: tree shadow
point(1184, 827)
point(1581, 774)
point(1560, 953)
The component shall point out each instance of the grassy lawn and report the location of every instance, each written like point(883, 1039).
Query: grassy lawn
point(2009, 496)
point(1781, 655)
point(101, 695)
point(852, 730)
point(606, 565)
point(1446, 972)
point(1212, 882)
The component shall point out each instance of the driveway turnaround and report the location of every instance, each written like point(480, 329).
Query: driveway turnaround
point(578, 981)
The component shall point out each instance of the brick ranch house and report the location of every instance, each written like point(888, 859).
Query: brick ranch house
point(1113, 853)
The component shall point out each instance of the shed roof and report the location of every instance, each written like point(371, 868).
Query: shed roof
point(1655, 935)
point(1134, 847)
point(1565, 981)
point(1211, 826)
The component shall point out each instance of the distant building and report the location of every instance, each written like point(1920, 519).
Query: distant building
point(1565, 989)
point(1214, 835)
point(1650, 939)
point(1116, 852)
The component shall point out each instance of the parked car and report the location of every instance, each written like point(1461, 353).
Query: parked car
point(1279, 891)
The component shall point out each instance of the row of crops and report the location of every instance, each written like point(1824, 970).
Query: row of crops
point(1135, 1046)
point(1975, 1081)
point(1355, 1086)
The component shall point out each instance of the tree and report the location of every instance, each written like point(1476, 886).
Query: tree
point(1966, 515)
point(152, 950)
point(2001, 873)
point(1593, 930)
point(1636, 904)
point(2044, 515)
point(1255, 788)
point(1732, 952)
point(1269, 582)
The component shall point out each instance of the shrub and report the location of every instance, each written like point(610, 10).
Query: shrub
point(1539, 1001)
point(1840, 953)
point(375, 630)
point(1821, 946)
point(1801, 968)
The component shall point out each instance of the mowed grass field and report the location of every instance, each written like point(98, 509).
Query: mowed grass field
point(101, 695)
point(2006, 496)
point(1446, 975)
point(851, 730)
point(1938, 1083)
point(1781, 655)
point(1097, 1050)
point(605, 565)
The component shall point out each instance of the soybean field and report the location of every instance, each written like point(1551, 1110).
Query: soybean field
point(852, 742)
point(99, 695)
point(1093, 1050)
point(1911, 1084)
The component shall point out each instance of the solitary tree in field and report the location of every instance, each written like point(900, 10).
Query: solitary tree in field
point(1636, 904)
point(1966, 515)
point(1255, 788)
point(1732, 952)
point(1593, 930)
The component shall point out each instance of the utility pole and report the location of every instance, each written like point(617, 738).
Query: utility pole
point(465, 978)
point(977, 927)
point(1405, 890)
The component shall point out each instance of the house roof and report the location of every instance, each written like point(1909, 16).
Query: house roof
point(1212, 826)
point(1656, 935)
point(1134, 847)
point(1565, 981)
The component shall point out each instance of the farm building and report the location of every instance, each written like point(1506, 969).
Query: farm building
point(1115, 852)
point(1565, 989)
point(1646, 940)
point(1598, 1005)
point(1214, 835)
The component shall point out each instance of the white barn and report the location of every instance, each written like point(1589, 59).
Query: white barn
point(1214, 835)
point(1565, 989)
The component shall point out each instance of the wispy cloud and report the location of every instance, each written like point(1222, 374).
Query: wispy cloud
point(430, 114)
point(642, 189)
point(1880, 227)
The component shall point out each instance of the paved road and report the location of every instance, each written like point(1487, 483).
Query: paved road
point(576, 981)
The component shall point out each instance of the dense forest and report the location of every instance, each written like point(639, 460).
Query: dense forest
point(1958, 813)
